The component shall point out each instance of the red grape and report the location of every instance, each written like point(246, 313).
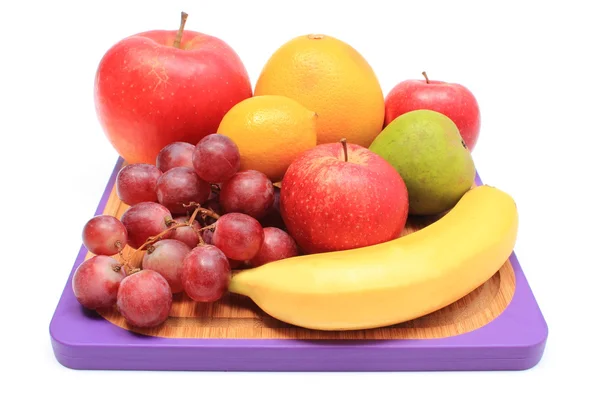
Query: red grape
point(186, 234)
point(166, 258)
point(207, 236)
point(214, 192)
point(176, 154)
point(213, 204)
point(144, 220)
point(238, 235)
point(249, 192)
point(105, 235)
point(178, 187)
point(136, 183)
point(276, 195)
point(235, 263)
point(144, 299)
point(205, 274)
point(273, 217)
point(277, 245)
point(96, 282)
point(216, 158)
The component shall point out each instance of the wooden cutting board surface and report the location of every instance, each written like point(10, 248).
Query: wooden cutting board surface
point(238, 317)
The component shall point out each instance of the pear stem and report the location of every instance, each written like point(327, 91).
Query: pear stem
point(426, 78)
point(345, 146)
point(177, 42)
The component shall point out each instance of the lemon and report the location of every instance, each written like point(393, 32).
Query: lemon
point(271, 131)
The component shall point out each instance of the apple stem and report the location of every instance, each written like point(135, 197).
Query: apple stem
point(426, 78)
point(177, 42)
point(345, 146)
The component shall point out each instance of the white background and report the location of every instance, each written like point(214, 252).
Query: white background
point(532, 65)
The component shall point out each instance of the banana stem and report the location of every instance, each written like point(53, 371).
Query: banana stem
point(239, 288)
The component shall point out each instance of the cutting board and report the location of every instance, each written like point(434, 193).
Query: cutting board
point(498, 326)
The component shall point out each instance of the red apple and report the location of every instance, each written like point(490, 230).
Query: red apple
point(151, 91)
point(331, 202)
point(452, 99)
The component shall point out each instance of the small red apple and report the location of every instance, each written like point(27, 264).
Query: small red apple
point(451, 99)
point(162, 86)
point(339, 196)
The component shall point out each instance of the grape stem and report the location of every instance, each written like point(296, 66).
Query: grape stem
point(194, 214)
point(130, 270)
point(191, 221)
point(119, 246)
point(172, 225)
point(210, 213)
point(154, 239)
point(201, 241)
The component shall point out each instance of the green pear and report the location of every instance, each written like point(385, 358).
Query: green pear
point(427, 150)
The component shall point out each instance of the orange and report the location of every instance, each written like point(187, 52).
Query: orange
point(270, 132)
point(331, 78)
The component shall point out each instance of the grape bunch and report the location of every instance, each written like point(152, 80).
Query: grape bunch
point(195, 215)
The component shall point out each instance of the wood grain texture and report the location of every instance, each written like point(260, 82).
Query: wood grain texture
point(238, 317)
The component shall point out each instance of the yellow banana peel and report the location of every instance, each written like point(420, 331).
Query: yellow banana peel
point(391, 282)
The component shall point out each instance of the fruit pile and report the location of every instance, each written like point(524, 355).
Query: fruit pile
point(192, 253)
point(305, 186)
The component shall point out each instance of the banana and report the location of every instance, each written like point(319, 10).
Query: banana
point(394, 281)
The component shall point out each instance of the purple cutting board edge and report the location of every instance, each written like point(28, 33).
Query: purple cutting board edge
point(82, 339)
